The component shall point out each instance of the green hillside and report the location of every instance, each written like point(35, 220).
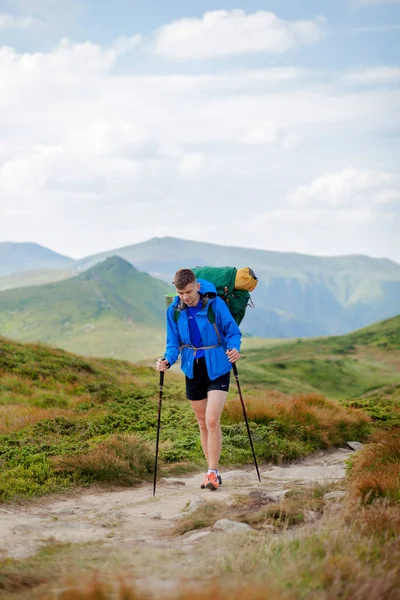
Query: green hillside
point(70, 421)
point(109, 310)
point(66, 420)
point(35, 277)
point(339, 366)
point(298, 295)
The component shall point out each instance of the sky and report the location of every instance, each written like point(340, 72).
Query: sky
point(271, 125)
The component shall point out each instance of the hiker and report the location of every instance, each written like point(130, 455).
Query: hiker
point(208, 350)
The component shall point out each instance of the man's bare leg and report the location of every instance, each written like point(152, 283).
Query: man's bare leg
point(214, 407)
point(199, 409)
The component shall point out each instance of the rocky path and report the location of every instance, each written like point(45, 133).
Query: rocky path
point(134, 521)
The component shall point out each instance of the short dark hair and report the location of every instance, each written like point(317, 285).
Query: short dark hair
point(183, 277)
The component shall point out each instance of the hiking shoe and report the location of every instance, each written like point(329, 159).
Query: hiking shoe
point(219, 479)
point(210, 481)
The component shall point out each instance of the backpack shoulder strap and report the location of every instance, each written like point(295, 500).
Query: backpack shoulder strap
point(178, 309)
point(211, 318)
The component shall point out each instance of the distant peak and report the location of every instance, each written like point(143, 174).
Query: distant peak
point(113, 264)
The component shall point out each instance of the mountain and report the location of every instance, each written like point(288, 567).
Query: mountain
point(112, 309)
point(16, 257)
point(297, 295)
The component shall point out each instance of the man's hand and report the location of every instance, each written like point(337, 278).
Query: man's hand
point(233, 355)
point(162, 364)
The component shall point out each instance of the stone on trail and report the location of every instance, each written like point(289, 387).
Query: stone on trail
point(355, 445)
point(231, 526)
point(196, 535)
point(171, 481)
point(334, 496)
point(194, 503)
point(237, 475)
point(310, 516)
point(306, 473)
point(274, 496)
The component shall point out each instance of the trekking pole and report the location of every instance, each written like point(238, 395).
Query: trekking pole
point(245, 418)
point(158, 429)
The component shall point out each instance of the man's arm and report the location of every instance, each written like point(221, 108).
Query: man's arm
point(173, 339)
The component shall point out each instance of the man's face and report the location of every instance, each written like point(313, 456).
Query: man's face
point(190, 294)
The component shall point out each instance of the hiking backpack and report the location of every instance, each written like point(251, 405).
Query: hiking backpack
point(233, 286)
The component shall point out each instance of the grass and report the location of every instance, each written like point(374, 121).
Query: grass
point(71, 421)
point(309, 418)
point(375, 473)
point(61, 413)
point(97, 590)
point(382, 405)
point(338, 366)
point(120, 458)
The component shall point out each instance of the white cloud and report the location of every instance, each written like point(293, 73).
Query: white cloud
point(191, 164)
point(374, 75)
point(347, 188)
point(269, 133)
point(352, 211)
point(13, 22)
point(224, 33)
point(89, 155)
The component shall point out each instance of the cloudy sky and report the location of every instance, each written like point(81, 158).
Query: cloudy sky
point(265, 124)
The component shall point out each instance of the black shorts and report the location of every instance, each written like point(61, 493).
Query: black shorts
point(198, 387)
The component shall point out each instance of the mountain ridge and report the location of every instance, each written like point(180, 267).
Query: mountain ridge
point(26, 256)
point(297, 295)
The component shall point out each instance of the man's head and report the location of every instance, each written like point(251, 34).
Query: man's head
point(187, 286)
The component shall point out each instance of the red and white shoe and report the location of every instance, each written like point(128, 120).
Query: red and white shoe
point(210, 481)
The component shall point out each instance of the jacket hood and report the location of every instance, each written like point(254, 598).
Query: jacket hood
point(206, 287)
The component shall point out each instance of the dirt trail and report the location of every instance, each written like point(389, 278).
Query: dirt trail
point(132, 521)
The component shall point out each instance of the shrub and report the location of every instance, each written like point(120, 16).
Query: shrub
point(121, 460)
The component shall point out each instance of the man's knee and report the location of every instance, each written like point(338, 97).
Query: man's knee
point(212, 422)
point(202, 424)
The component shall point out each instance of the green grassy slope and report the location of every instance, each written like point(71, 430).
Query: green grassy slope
point(33, 278)
point(339, 366)
point(67, 420)
point(110, 310)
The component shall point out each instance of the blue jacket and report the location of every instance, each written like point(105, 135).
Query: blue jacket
point(178, 334)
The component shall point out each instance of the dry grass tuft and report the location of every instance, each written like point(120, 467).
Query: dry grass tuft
point(204, 516)
point(375, 472)
point(19, 582)
point(212, 591)
point(15, 417)
point(120, 460)
point(316, 417)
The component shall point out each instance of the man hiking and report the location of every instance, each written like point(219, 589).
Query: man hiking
point(207, 353)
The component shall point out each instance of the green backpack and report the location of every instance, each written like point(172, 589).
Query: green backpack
point(225, 279)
